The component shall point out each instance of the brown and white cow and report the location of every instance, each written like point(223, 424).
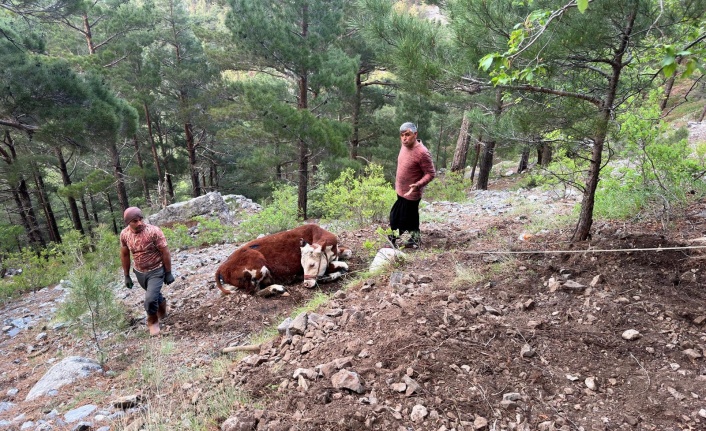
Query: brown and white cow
point(307, 252)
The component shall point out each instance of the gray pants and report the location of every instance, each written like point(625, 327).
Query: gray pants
point(152, 282)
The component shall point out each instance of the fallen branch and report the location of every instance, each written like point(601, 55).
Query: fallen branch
point(245, 348)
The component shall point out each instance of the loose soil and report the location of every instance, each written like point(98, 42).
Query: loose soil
point(526, 339)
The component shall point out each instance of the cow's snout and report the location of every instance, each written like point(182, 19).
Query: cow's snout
point(310, 283)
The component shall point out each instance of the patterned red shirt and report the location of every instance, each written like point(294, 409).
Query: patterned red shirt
point(144, 247)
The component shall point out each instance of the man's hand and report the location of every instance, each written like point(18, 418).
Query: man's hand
point(412, 187)
point(168, 277)
point(128, 281)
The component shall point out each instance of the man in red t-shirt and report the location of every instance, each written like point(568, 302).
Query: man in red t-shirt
point(152, 263)
point(415, 169)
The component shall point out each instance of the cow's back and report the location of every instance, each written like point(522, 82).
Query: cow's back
point(283, 253)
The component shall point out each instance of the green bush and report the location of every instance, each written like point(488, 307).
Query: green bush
point(450, 186)
point(278, 215)
point(53, 263)
point(39, 269)
point(362, 199)
point(660, 173)
point(212, 231)
point(178, 237)
point(91, 306)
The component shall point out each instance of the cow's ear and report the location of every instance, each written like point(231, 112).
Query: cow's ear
point(302, 243)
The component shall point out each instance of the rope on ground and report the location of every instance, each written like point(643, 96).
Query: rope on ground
point(589, 250)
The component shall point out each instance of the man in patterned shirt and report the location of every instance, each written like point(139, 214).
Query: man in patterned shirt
point(415, 169)
point(152, 263)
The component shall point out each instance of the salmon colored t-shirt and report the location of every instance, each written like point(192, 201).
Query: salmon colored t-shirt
point(144, 247)
point(414, 166)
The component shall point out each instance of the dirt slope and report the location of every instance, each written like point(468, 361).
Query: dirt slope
point(456, 338)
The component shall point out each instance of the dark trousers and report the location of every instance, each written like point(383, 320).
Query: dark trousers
point(404, 215)
point(152, 282)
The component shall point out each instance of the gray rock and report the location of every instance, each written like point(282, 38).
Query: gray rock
point(5, 406)
point(283, 328)
point(419, 412)
point(210, 204)
point(412, 385)
point(79, 413)
point(65, 372)
point(345, 379)
point(306, 372)
point(298, 326)
point(242, 421)
point(631, 334)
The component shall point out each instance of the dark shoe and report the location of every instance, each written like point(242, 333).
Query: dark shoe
point(414, 241)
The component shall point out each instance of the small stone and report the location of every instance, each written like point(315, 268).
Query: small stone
point(398, 387)
point(412, 385)
point(527, 351)
point(419, 412)
point(692, 353)
point(480, 423)
point(631, 334)
point(591, 383)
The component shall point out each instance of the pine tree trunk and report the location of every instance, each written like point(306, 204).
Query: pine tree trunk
point(355, 138)
point(29, 219)
point(167, 176)
point(667, 92)
point(524, 159)
point(459, 162)
point(193, 169)
point(112, 213)
point(703, 114)
point(66, 179)
point(86, 217)
point(143, 177)
point(94, 212)
point(486, 165)
point(547, 154)
point(303, 187)
point(476, 158)
point(119, 176)
point(438, 147)
point(52, 226)
point(583, 227)
point(153, 150)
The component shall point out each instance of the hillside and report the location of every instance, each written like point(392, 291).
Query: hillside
point(483, 328)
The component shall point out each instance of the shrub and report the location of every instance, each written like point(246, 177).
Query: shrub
point(90, 305)
point(363, 199)
point(450, 186)
point(278, 215)
point(178, 237)
point(39, 269)
point(212, 231)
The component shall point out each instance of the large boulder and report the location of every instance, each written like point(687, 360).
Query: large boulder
point(211, 204)
point(239, 205)
point(64, 373)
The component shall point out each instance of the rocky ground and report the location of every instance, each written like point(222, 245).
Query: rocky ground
point(496, 323)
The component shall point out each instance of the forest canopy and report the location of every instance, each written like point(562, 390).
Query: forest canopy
point(115, 103)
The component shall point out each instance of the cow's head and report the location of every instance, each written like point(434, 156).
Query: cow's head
point(314, 261)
